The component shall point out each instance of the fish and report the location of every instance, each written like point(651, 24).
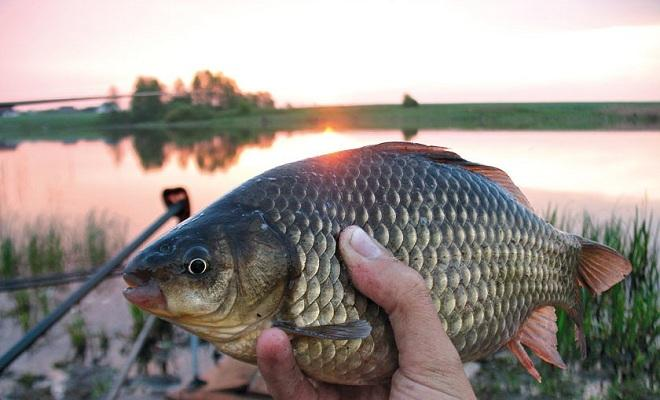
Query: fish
point(266, 255)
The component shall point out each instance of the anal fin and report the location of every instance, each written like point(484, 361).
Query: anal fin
point(539, 334)
point(516, 348)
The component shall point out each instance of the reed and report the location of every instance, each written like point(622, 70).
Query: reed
point(51, 246)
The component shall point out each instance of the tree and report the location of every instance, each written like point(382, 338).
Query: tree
point(113, 95)
point(146, 104)
point(218, 91)
point(261, 99)
point(408, 101)
point(179, 93)
point(201, 93)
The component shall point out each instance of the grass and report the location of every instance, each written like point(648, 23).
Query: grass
point(78, 334)
point(527, 116)
point(622, 327)
point(509, 116)
point(49, 247)
point(159, 340)
point(39, 125)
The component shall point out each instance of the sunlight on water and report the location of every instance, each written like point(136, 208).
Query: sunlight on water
point(602, 172)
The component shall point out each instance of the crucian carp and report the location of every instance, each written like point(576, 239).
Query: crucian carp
point(265, 255)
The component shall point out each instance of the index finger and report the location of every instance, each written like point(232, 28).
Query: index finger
point(278, 367)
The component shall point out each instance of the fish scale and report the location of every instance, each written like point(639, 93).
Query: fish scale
point(494, 270)
point(469, 239)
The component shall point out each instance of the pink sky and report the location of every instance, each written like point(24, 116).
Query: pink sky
point(326, 52)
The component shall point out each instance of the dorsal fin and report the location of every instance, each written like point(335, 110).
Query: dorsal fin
point(444, 156)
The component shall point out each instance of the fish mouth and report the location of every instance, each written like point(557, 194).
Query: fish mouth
point(147, 296)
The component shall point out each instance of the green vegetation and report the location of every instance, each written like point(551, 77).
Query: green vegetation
point(215, 100)
point(146, 108)
point(408, 101)
point(158, 344)
point(50, 247)
point(209, 92)
point(77, 330)
point(622, 328)
point(522, 116)
point(50, 125)
point(187, 112)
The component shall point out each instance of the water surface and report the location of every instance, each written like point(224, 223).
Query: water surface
point(601, 172)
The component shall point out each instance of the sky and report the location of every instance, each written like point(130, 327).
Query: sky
point(309, 52)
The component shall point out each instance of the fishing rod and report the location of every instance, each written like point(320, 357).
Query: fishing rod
point(11, 104)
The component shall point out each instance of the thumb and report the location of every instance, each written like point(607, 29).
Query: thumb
point(424, 348)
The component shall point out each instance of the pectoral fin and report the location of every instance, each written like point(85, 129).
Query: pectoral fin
point(359, 329)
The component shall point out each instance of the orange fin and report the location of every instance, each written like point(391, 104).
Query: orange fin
point(444, 156)
point(539, 334)
point(501, 178)
point(516, 348)
point(601, 267)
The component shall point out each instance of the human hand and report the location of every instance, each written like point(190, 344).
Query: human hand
point(429, 365)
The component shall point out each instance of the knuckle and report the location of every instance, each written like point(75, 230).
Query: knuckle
point(411, 290)
point(414, 281)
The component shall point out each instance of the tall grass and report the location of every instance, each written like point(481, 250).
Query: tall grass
point(49, 246)
point(46, 246)
point(622, 326)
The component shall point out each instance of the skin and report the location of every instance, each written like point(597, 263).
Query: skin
point(429, 365)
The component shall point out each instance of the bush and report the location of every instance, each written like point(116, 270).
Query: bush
point(244, 107)
point(187, 112)
point(408, 101)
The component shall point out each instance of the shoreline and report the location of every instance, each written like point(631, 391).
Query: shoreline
point(469, 116)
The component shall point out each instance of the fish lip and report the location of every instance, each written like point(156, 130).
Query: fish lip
point(132, 280)
point(147, 296)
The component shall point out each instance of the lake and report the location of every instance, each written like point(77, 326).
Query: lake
point(122, 174)
point(602, 172)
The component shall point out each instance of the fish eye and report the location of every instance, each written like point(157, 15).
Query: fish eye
point(197, 266)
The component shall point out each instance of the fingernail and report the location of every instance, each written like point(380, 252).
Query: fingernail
point(363, 244)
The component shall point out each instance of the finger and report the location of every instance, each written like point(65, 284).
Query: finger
point(402, 293)
point(279, 369)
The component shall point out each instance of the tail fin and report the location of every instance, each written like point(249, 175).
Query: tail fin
point(601, 267)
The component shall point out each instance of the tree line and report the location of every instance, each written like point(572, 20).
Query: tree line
point(207, 94)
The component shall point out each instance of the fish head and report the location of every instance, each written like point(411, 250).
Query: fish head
point(216, 275)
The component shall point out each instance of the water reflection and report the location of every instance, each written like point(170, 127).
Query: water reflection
point(409, 134)
point(149, 147)
point(123, 172)
point(210, 150)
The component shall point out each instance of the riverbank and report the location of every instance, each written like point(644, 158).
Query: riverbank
point(492, 116)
